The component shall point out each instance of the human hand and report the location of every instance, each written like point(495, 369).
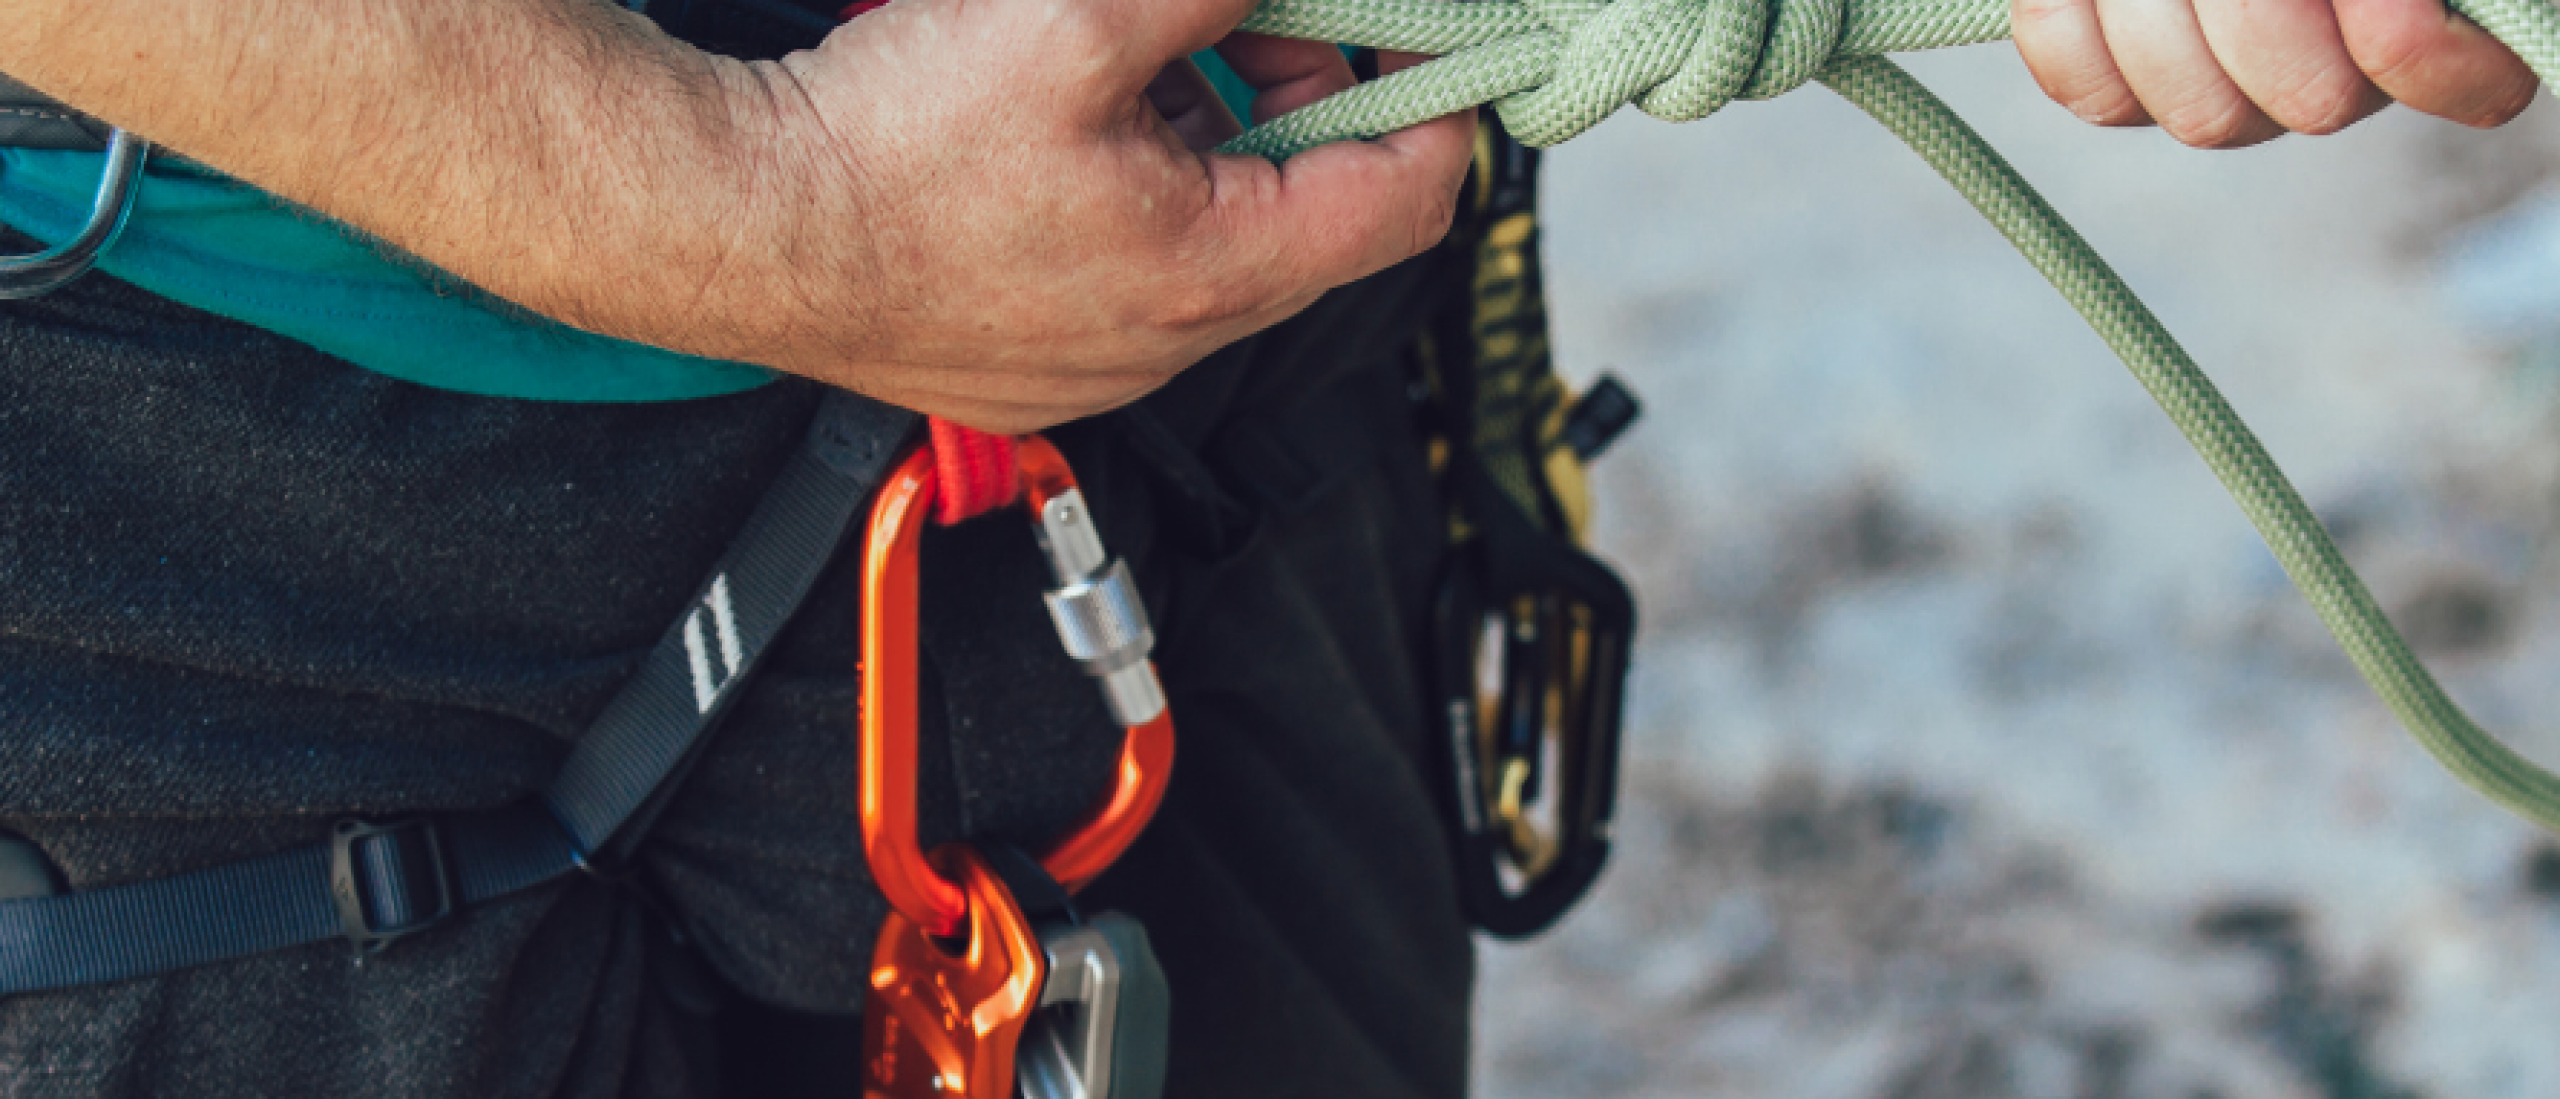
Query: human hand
point(1001, 211)
point(972, 208)
point(2226, 73)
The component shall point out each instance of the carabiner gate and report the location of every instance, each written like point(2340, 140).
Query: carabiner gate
point(1102, 625)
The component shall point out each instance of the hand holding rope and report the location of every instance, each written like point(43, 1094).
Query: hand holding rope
point(1554, 68)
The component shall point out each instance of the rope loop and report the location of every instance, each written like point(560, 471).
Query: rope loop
point(1679, 60)
point(1555, 68)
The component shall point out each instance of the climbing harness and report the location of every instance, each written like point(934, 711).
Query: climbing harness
point(960, 970)
point(1080, 997)
point(970, 989)
point(1078, 1003)
point(1554, 68)
point(375, 882)
point(119, 186)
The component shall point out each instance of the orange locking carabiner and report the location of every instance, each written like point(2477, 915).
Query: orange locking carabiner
point(910, 880)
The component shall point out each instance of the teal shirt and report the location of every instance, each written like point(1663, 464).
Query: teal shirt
point(207, 241)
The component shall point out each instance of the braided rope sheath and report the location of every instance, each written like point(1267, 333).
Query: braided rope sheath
point(1554, 68)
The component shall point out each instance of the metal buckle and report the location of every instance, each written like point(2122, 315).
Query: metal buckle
point(119, 186)
point(401, 839)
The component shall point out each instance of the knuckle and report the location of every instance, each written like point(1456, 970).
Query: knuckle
point(2071, 63)
point(2029, 17)
point(1431, 222)
point(2325, 103)
point(2448, 69)
point(2087, 84)
point(2392, 52)
point(2112, 104)
point(2218, 122)
point(1204, 304)
point(1080, 31)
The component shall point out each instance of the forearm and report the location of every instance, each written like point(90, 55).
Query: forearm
point(971, 208)
point(561, 153)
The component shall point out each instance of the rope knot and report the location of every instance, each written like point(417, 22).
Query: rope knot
point(1679, 60)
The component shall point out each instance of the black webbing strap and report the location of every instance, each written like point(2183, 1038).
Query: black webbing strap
point(1283, 459)
point(375, 882)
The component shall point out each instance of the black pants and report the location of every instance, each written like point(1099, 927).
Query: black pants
point(246, 589)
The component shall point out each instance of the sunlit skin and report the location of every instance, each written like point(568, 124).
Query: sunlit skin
point(2228, 73)
point(996, 211)
point(971, 208)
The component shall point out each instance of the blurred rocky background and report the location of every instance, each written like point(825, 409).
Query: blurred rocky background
point(1977, 748)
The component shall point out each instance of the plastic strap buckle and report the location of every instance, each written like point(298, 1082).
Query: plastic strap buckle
point(396, 869)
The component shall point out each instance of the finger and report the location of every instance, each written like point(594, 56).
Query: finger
point(2064, 48)
point(1190, 104)
point(1139, 37)
point(2436, 61)
point(2289, 58)
point(2161, 50)
point(1286, 73)
point(1335, 213)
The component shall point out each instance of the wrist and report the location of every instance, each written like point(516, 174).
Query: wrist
point(702, 192)
point(617, 181)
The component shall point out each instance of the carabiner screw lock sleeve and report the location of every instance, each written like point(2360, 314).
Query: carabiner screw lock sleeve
point(1101, 620)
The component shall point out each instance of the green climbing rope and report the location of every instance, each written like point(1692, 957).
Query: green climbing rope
point(1554, 68)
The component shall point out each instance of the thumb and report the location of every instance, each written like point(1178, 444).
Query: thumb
point(1339, 212)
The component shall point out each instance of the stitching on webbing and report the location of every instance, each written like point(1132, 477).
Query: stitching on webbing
point(41, 116)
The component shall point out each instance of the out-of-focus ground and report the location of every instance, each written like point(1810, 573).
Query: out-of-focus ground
point(1977, 748)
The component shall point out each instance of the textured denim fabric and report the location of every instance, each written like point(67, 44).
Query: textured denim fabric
point(246, 589)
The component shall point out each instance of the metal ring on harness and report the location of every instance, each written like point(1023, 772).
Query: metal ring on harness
point(119, 185)
point(899, 864)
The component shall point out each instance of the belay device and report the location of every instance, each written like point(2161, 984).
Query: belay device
point(985, 982)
